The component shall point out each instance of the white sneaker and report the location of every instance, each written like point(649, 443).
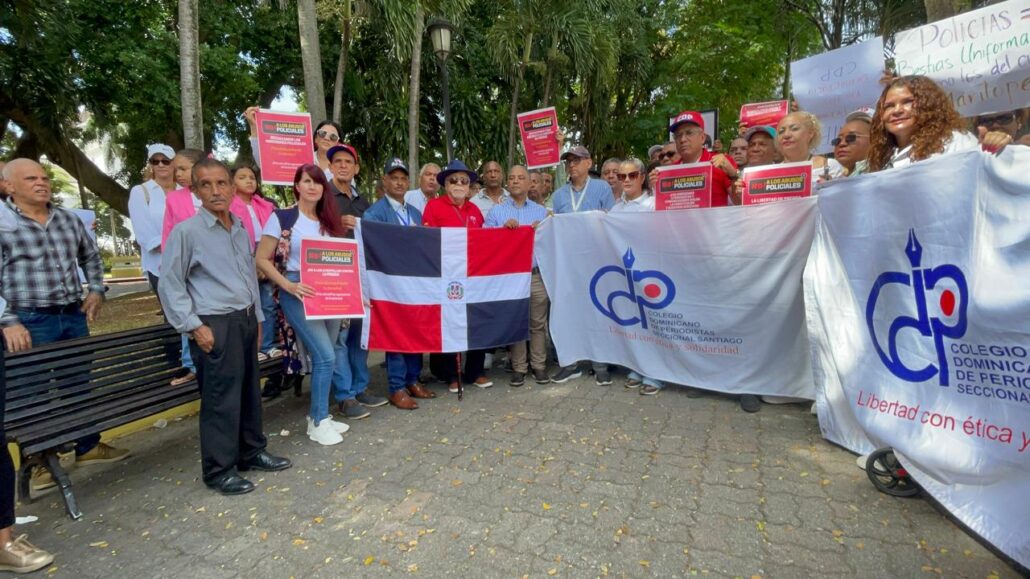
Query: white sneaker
point(324, 433)
point(340, 427)
point(861, 460)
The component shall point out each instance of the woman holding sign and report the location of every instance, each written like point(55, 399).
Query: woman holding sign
point(915, 120)
point(326, 136)
point(314, 215)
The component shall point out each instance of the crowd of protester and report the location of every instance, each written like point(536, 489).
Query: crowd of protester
point(244, 303)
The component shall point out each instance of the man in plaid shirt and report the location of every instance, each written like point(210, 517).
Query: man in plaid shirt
point(39, 281)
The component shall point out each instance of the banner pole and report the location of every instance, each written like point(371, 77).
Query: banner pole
point(461, 383)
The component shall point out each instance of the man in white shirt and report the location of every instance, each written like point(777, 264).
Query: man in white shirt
point(493, 193)
point(427, 187)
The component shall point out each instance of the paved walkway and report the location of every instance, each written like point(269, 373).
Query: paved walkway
point(570, 480)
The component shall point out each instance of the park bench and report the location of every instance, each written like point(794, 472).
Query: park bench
point(63, 391)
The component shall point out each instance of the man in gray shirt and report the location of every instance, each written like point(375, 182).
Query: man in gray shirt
point(209, 290)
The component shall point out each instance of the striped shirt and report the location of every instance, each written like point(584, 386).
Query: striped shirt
point(529, 213)
point(38, 262)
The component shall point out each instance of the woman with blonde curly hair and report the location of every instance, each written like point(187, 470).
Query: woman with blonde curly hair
point(915, 120)
point(797, 135)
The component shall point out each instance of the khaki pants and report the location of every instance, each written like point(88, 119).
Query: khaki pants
point(538, 307)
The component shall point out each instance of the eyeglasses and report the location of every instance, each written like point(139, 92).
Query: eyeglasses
point(667, 155)
point(458, 181)
point(1002, 119)
point(156, 162)
point(850, 139)
point(332, 137)
point(627, 176)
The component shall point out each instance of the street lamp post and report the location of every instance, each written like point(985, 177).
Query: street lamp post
point(440, 32)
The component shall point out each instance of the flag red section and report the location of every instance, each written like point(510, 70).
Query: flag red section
point(500, 251)
point(405, 328)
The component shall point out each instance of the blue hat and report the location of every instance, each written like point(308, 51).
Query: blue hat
point(395, 164)
point(456, 166)
point(760, 129)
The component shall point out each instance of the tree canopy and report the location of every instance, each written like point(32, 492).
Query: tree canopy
point(616, 70)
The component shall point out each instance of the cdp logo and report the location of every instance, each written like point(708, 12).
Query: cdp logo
point(655, 295)
point(922, 281)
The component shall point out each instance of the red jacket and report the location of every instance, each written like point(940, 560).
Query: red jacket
point(442, 212)
point(721, 182)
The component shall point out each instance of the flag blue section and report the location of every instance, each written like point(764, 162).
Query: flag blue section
point(499, 323)
point(401, 251)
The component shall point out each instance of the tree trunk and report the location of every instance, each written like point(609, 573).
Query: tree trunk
point(941, 9)
point(513, 128)
point(189, 75)
point(414, 89)
point(549, 75)
point(311, 58)
point(341, 64)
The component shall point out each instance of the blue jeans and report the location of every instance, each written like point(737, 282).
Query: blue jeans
point(187, 358)
point(268, 307)
point(645, 380)
point(50, 328)
point(350, 377)
point(402, 370)
point(319, 338)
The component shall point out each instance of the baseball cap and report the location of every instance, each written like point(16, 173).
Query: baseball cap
point(341, 147)
point(760, 129)
point(654, 149)
point(693, 117)
point(862, 114)
point(160, 149)
point(578, 151)
point(395, 164)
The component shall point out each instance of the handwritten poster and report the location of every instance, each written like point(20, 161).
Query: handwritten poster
point(330, 266)
point(834, 84)
point(285, 142)
point(538, 129)
point(980, 58)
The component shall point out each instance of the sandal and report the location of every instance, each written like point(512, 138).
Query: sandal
point(183, 379)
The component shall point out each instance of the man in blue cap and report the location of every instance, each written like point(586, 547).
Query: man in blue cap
point(402, 369)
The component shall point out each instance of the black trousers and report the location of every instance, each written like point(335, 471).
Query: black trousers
point(6, 464)
point(230, 397)
point(445, 366)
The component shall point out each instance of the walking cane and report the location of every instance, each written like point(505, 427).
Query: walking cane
point(461, 383)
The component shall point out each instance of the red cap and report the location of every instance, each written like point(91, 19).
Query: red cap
point(687, 117)
point(341, 147)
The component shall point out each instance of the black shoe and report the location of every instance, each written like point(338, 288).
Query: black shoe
point(508, 366)
point(517, 379)
point(266, 462)
point(353, 410)
point(693, 392)
point(273, 387)
point(232, 484)
point(541, 377)
point(371, 400)
point(565, 374)
point(297, 380)
point(750, 403)
point(603, 378)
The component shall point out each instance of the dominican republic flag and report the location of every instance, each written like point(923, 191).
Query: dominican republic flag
point(445, 289)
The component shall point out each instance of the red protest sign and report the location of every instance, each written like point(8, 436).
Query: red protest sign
point(538, 129)
point(330, 266)
point(684, 187)
point(777, 182)
point(767, 113)
point(284, 143)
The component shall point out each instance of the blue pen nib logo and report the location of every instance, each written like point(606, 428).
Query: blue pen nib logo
point(922, 280)
point(656, 291)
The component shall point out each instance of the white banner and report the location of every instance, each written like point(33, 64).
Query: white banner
point(919, 312)
point(709, 298)
point(981, 58)
point(834, 84)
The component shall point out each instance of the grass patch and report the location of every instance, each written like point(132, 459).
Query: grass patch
point(127, 313)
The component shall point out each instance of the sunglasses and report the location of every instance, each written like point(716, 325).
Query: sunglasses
point(333, 137)
point(667, 155)
point(458, 181)
point(1002, 119)
point(627, 176)
point(156, 162)
point(850, 139)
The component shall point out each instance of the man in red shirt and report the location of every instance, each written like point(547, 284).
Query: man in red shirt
point(453, 208)
point(688, 130)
